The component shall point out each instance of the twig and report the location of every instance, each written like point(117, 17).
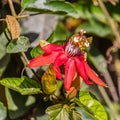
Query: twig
point(25, 58)
point(112, 88)
point(108, 54)
point(21, 12)
point(112, 24)
point(119, 86)
point(18, 17)
point(2, 20)
point(117, 69)
point(22, 16)
point(12, 7)
point(22, 53)
point(108, 102)
point(110, 21)
point(26, 63)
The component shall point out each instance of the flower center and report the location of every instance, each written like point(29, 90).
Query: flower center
point(72, 49)
point(77, 44)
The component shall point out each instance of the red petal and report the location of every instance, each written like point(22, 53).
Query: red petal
point(81, 70)
point(60, 59)
point(52, 47)
point(70, 71)
point(91, 74)
point(43, 60)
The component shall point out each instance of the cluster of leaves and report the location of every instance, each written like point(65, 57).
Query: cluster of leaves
point(21, 94)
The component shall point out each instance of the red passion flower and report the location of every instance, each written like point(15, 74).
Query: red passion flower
point(71, 55)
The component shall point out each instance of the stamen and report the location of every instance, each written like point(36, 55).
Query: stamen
point(72, 50)
point(77, 44)
point(87, 44)
point(76, 39)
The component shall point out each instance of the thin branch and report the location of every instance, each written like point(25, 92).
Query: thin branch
point(38, 78)
point(22, 16)
point(113, 26)
point(25, 58)
point(12, 7)
point(2, 20)
point(112, 88)
point(108, 102)
point(111, 22)
point(22, 53)
point(108, 54)
point(26, 62)
point(21, 12)
point(17, 17)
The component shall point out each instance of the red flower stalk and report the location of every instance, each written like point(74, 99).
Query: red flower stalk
point(71, 55)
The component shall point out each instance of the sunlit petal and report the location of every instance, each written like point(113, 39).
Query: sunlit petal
point(81, 70)
point(91, 74)
point(70, 70)
point(43, 60)
point(51, 47)
point(60, 59)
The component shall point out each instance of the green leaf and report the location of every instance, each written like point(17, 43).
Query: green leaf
point(54, 0)
point(88, 10)
point(58, 36)
point(18, 45)
point(3, 111)
point(51, 37)
point(58, 112)
point(23, 85)
point(96, 108)
point(96, 28)
point(2, 51)
point(3, 43)
point(75, 115)
point(85, 108)
point(25, 3)
point(84, 115)
point(3, 64)
point(18, 104)
point(42, 6)
point(41, 117)
point(2, 95)
point(4, 58)
point(60, 33)
point(36, 52)
point(48, 80)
